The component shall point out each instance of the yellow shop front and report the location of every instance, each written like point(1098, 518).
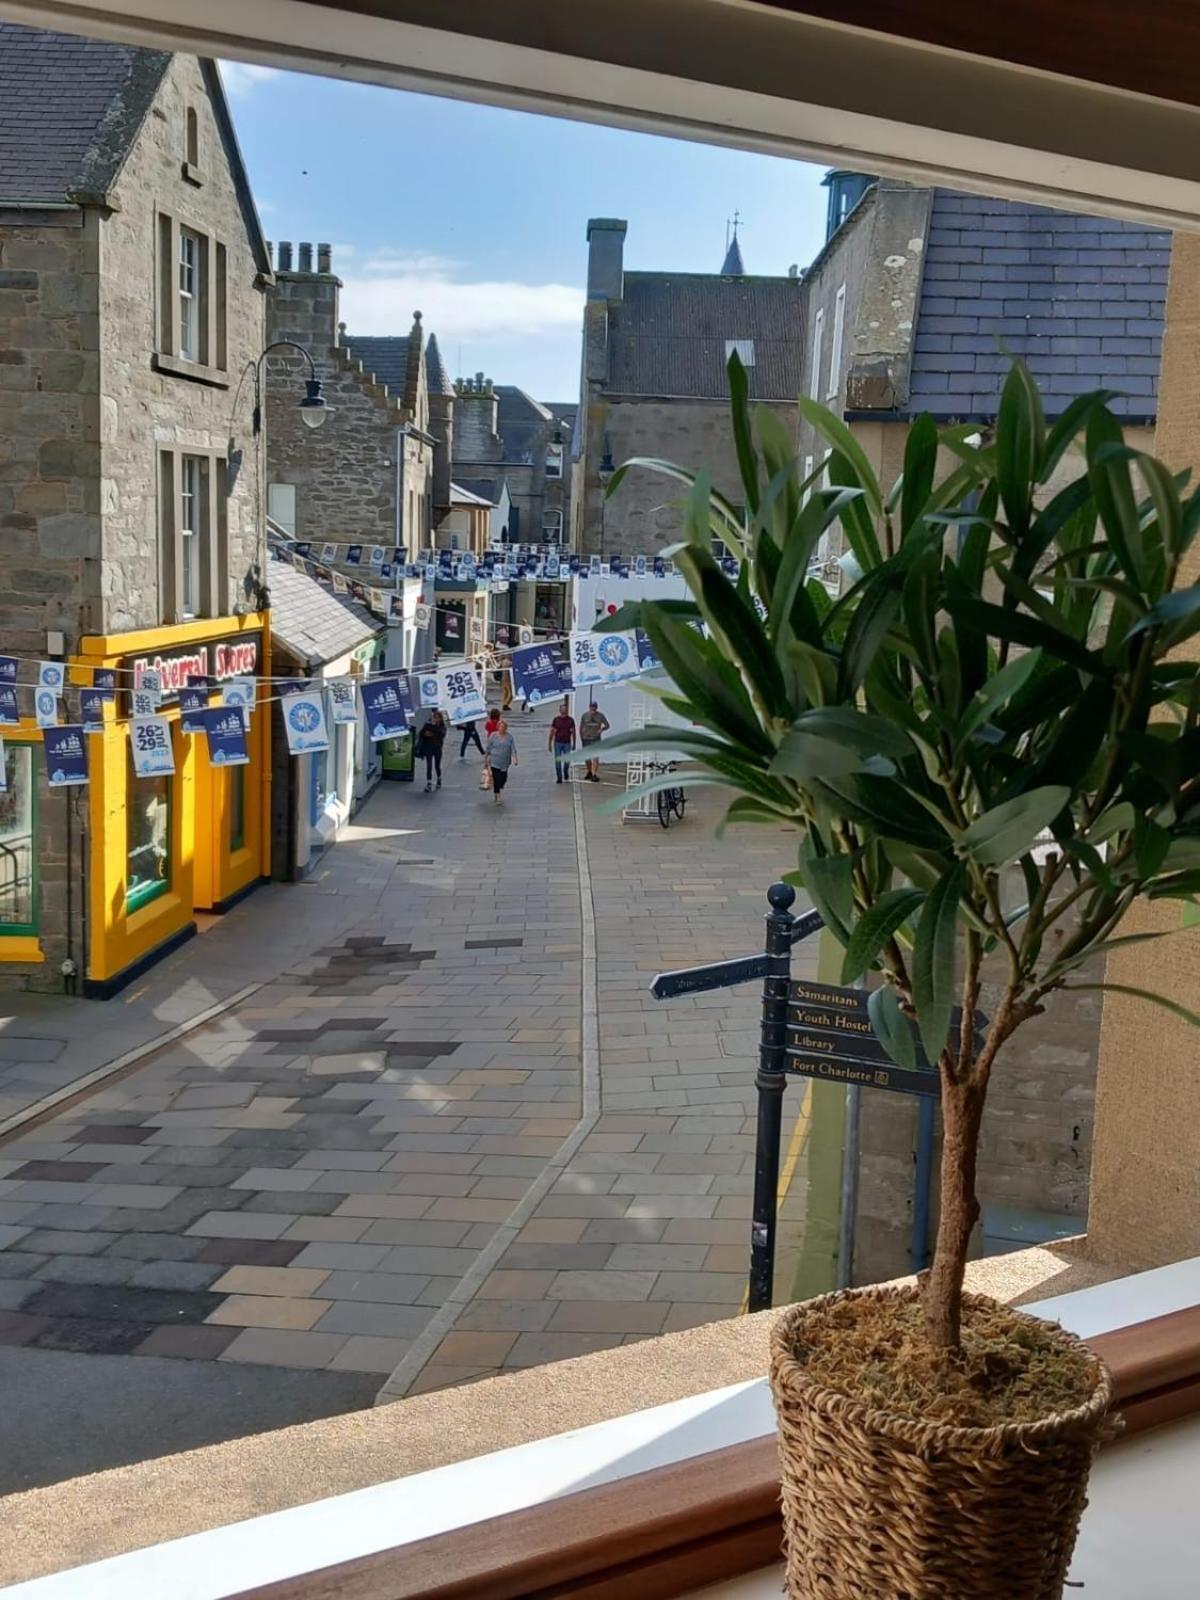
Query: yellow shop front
point(161, 849)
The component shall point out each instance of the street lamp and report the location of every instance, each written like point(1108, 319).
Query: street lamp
point(313, 408)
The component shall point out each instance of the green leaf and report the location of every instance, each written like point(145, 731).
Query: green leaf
point(1143, 994)
point(830, 887)
point(920, 459)
point(861, 731)
point(875, 927)
point(856, 516)
point(1181, 606)
point(892, 1027)
point(1150, 845)
point(997, 692)
point(1117, 819)
point(1006, 831)
point(711, 685)
point(1108, 471)
point(884, 807)
point(873, 617)
point(1015, 627)
point(727, 512)
point(816, 670)
point(804, 756)
point(735, 626)
point(739, 398)
point(1068, 425)
point(835, 431)
point(1020, 439)
point(933, 961)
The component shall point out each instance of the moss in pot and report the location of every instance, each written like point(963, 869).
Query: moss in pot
point(996, 692)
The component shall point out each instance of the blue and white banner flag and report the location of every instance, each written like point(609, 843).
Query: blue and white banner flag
point(143, 702)
point(193, 703)
point(386, 703)
point(647, 660)
point(65, 750)
point(8, 669)
point(150, 742)
point(304, 723)
point(377, 555)
point(104, 679)
point(540, 672)
point(91, 709)
point(242, 693)
point(427, 690)
point(226, 734)
point(9, 714)
point(343, 701)
point(461, 694)
point(354, 555)
point(603, 658)
point(52, 675)
point(45, 707)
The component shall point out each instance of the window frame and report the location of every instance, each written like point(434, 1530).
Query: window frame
point(209, 362)
point(836, 341)
point(30, 929)
point(818, 341)
point(212, 554)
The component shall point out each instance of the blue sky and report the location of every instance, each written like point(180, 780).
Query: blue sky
point(477, 217)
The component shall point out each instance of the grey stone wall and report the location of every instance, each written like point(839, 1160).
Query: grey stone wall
point(49, 430)
point(358, 478)
point(645, 513)
point(143, 411)
point(480, 463)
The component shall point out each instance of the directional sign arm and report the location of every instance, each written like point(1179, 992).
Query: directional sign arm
point(720, 975)
point(811, 922)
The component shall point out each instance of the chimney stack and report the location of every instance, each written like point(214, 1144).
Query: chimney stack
point(324, 258)
point(285, 255)
point(305, 261)
point(606, 258)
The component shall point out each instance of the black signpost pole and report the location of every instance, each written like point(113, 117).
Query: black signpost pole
point(770, 1081)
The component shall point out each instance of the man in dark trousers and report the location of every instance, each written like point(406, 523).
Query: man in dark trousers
point(469, 732)
point(562, 741)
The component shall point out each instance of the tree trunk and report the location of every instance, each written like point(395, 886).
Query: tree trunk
point(962, 1113)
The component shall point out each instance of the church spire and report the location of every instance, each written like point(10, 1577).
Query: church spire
point(733, 267)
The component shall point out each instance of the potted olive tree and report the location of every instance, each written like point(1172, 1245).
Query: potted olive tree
point(994, 698)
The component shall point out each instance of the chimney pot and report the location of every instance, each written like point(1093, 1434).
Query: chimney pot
point(285, 255)
point(324, 258)
point(305, 254)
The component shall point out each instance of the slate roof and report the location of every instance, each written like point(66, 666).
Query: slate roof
point(69, 108)
point(522, 422)
point(1080, 298)
point(667, 335)
point(386, 358)
point(435, 368)
point(462, 496)
point(310, 622)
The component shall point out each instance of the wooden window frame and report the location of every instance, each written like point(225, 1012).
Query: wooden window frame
point(213, 565)
point(817, 354)
point(697, 1522)
point(30, 929)
point(836, 343)
point(211, 365)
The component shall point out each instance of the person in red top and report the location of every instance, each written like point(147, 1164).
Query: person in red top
point(492, 723)
point(562, 741)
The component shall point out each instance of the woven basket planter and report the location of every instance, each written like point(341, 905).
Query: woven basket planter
point(880, 1507)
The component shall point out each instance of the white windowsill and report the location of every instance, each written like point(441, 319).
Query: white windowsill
point(223, 1561)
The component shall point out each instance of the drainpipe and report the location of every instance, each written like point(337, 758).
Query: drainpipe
point(401, 435)
point(918, 1249)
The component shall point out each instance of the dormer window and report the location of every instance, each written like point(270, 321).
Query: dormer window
point(554, 459)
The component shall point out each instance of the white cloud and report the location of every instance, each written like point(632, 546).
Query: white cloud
point(457, 311)
point(243, 77)
point(386, 261)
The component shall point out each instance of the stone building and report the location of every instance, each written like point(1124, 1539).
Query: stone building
point(655, 347)
point(367, 476)
point(504, 439)
point(132, 276)
point(917, 302)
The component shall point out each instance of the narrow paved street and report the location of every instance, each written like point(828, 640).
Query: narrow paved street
point(454, 1136)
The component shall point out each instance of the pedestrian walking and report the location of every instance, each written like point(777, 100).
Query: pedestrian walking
point(506, 688)
point(593, 725)
point(470, 735)
point(429, 744)
point(562, 741)
point(492, 723)
point(501, 755)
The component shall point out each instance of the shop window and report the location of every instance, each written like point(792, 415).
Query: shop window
point(552, 526)
point(237, 809)
point(191, 302)
point(193, 535)
point(281, 506)
point(148, 836)
point(18, 835)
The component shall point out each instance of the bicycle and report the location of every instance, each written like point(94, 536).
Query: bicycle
point(671, 802)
